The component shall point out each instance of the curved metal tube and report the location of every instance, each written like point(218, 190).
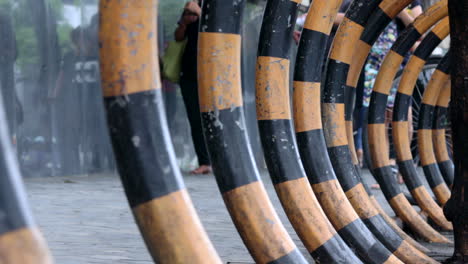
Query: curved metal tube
point(307, 78)
point(361, 51)
point(137, 124)
point(395, 227)
point(341, 57)
point(376, 128)
point(439, 79)
point(279, 146)
point(400, 123)
point(20, 239)
point(446, 165)
point(224, 128)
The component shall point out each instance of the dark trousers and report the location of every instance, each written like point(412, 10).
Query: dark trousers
point(189, 90)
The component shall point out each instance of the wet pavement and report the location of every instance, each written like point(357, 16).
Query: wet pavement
point(86, 219)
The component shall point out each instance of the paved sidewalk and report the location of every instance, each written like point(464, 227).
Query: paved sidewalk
point(87, 220)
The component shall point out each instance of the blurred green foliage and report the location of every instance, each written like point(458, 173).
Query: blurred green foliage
point(26, 39)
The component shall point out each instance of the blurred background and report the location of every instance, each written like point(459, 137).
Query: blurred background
point(50, 84)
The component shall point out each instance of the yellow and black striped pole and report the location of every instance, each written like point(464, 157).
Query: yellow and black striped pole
point(376, 128)
point(368, 37)
point(279, 145)
point(439, 79)
point(219, 78)
point(439, 136)
point(400, 123)
point(386, 11)
point(307, 78)
point(20, 239)
point(335, 132)
point(389, 67)
point(146, 161)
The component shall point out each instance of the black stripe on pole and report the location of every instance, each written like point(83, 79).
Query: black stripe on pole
point(433, 175)
point(222, 20)
point(375, 25)
point(337, 73)
point(279, 147)
point(401, 106)
point(310, 56)
point(13, 216)
point(231, 152)
point(377, 107)
point(343, 166)
point(426, 116)
point(360, 10)
point(441, 120)
point(362, 239)
point(389, 237)
point(138, 143)
point(444, 64)
point(275, 38)
point(327, 252)
point(427, 46)
point(315, 159)
point(447, 170)
point(406, 40)
point(389, 186)
point(350, 98)
point(293, 257)
point(408, 171)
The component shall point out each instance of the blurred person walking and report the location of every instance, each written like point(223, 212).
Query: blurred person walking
point(188, 30)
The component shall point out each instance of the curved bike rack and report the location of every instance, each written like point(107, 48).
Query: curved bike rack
point(20, 239)
point(316, 179)
point(375, 25)
point(140, 137)
point(439, 79)
point(400, 123)
point(376, 128)
point(310, 139)
point(362, 50)
point(439, 135)
point(279, 146)
point(341, 57)
point(224, 128)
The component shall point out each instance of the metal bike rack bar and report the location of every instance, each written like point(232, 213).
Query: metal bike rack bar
point(225, 133)
point(400, 123)
point(439, 136)
point(137, 124)
point(20, 239)
point(376, 128)
point(341, 57)
point(310, 139)
point(425, 147)
point(278, 141)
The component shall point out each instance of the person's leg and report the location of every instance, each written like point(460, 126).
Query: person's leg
point(190, 95)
